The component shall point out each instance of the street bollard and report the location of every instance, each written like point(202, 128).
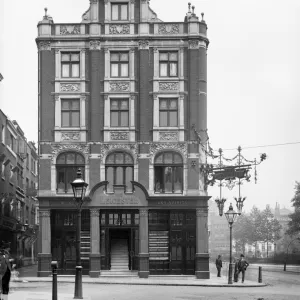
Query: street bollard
point(54, 280)
point(260, 274)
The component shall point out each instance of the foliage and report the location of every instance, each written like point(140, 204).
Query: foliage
point(294, 224)
point(269, 227)
point(241, 231)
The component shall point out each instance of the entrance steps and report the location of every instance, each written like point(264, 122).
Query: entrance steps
point(119, 273)
point(119, 256)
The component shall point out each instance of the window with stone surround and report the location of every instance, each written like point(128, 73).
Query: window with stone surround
point(168, 173)
point(70, 113)
point(168, 64)
point(168, 112)
point(119, 112)
point(70, 64)
point(119, 170)
point(119, 64)
point(119, 11)
point(67, 165)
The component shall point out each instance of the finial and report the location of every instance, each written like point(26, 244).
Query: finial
point(193, 7)
point(202, 14)
point(45, 11)
point(189, 7)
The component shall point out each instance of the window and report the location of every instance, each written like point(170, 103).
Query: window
point(168, 64)
point(119, 113)
point(168, 169)
point(168, 112)
point(70, 64)
point(3, 134)
point(119, 64)
point(67, 165)
point(119, 11)
point(27, 160)
point(70, 113)
point(11, 142)
point(119, 170)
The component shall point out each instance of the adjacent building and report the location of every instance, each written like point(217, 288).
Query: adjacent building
point(18, 184)
point(122, 96)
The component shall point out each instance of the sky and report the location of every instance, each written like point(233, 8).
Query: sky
point(253, 71)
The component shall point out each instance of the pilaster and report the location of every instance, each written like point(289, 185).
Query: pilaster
point(143, 246)
point(95, 263)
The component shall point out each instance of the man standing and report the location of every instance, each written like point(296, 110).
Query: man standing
point(242, 266)
point(5, 267)
point(219, 265)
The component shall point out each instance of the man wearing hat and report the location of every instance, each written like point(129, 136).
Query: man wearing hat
point(5, 267)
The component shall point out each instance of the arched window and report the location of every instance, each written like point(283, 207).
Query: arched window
point(67, 165)
point(119, 170)
point(168, 173)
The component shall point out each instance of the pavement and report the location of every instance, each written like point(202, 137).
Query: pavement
point(28, 274)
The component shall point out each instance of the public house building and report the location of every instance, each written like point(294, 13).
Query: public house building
point(122, 96)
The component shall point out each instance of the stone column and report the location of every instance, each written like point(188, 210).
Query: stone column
point(95, 260)
point(45, 256)
point(143, 247)
point(202, 256)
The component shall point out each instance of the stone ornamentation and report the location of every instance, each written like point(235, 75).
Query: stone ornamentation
point(168, 136)
point(70, 136)
point(119, 29)
point(119, 86)
point(107, 148)
point(57, 148)
point(202, 212)
point(95, 45)
point(45, 213)
point(70, 87)
point(168, 28)
point(143, 212)
point(69, 30)
point(94, 213)
point(143, 44)
point(180, 147)
point(119, 136)
point(193, 44)
point(46, 46)
point(169, 86)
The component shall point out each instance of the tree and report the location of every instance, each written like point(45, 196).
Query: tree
point(269, 228)
point(255, 235)
point(241, 232)
point(294, 223)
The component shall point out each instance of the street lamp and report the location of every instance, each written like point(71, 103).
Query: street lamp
point(79, 187)
point(231, 216)
point(287, 252)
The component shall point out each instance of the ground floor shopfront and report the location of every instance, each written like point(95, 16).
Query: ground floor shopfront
point(126, 232)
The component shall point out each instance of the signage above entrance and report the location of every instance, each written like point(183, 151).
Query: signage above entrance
point(119, 200)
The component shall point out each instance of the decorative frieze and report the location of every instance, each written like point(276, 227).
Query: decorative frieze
point(193, 44)
point(44, 45)
point(143, 44)
point(143, 212)
point(119, 86)
point(159, 146)
point(119, 29)
point(45, 213)
point(168, 86)
point(94, 213)
point(106, 148)
point(168, 136)
point(119, 135)
point(202, 212)
point(168, 28)
point(70, 136)
point(70, 87)
point(95, 45)
point(57, 148)
point(69, 29)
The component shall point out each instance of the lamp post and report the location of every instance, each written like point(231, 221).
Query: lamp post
point(79, 187)
point(231, 216)
point(287, 252)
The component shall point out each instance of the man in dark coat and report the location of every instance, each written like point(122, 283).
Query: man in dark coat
point(242, 266)
point(219, 265)
point(5, 267)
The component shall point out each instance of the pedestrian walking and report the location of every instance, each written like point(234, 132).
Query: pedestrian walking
point(242, 267)
point(219, 265)
point(236, 269)
point(5, 269)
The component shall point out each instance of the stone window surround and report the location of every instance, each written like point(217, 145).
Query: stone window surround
point(108, 11)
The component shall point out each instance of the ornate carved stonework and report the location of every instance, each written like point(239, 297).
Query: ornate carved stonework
point(143, 44)
point(70, 87)
point(95, 45)
point(168, 86)
point(132, 1)
point(119, 29)
point(45, 213)
point(70, 136)
point(57, 148)
point(69, 29)
point(45, 45)
point(202, 212)
point(119, 86)
point(143, 212)
point(168, 28)
point(168, 136)
point(94, 1)
point(156, 147)
point(94, 213)
point(119, 135)
point(193, 44)
point(106, 148)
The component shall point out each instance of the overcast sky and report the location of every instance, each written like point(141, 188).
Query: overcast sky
point(253, 71)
